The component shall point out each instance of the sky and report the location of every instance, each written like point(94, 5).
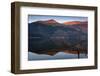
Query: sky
point(60, 19)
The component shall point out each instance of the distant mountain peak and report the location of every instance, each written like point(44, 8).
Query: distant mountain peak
point(50, 21)
point(72, 22)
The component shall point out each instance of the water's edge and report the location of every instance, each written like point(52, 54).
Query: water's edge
point(59, 55)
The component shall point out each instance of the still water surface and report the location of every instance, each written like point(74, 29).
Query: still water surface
point(59, 55)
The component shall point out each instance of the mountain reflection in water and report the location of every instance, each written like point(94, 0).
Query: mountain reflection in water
point(53, 56)
point(51, 39)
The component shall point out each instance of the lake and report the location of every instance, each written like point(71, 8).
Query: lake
point(59, 55)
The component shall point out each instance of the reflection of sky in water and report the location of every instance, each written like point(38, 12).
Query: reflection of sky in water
point(60, 55)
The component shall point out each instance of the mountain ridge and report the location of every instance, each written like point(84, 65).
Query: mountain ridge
point(43, 37)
